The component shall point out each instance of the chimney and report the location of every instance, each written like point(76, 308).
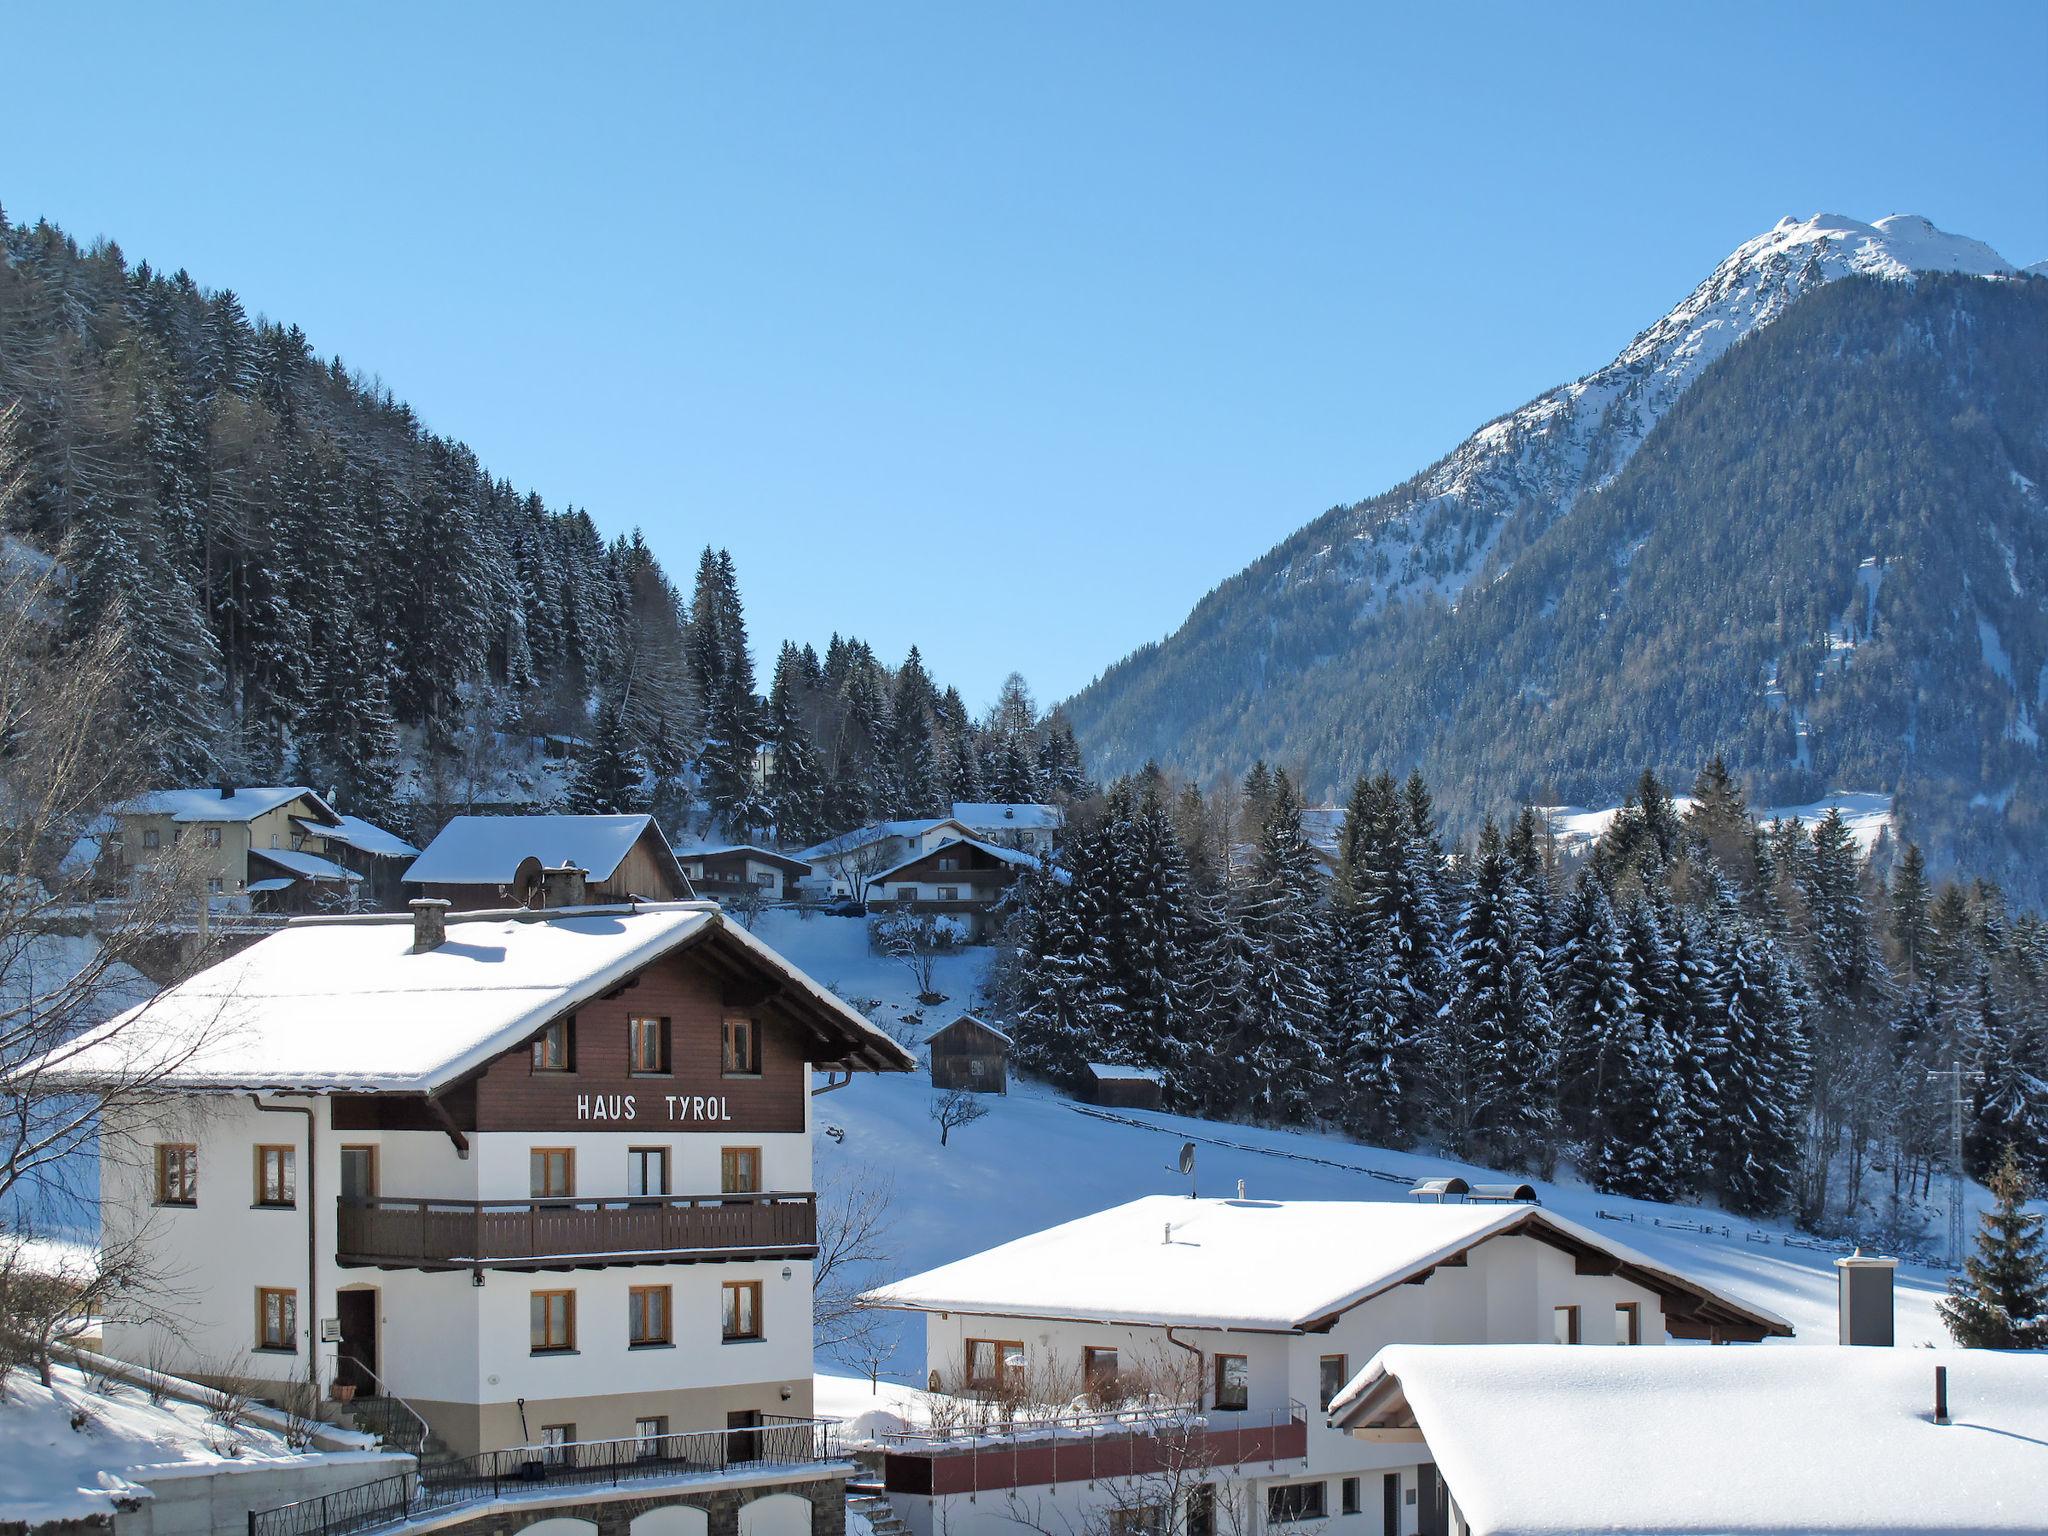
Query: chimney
point(563, 887)
point(429, 923)
point(1941, 1394)
point(1864, 1298)
point(227, 791)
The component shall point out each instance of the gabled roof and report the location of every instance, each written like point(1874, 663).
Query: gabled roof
point(242, 803)
point(363, 836)
point(304, 866)
point(878, 832)
point(1537, 1440)
point(1002, 815)
point(1001, 855)
point(345, 1004)
point(751, 850)
point(969, 1019)
point(1218, 1269)
point(487, 850)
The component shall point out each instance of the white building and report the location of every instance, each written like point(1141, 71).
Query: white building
point(541, 1177)
point(1536, 1442)
point(1018, 824)
point(851, 860)
point(1253, 1315)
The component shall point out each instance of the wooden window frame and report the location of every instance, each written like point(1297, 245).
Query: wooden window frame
point(726, 1311)
point(548, 1345)
point(635, 1164)
point(556, 1451)
point(637, 1310)
point(372, 1160)
point(287, 1157)
point(1326, 1394)
point(999, 1353)
point(1633, 1311)
point(186, 1183)
point(648, 1441)
point(1095, 1377)
point(544, 1052)
point(152, 839)
point(568, 1156)
point(638, 1027)
point(1297, 1503)
point(1570, 1314)
point(727, 1160)
point(211, 837)
point(288, 1319)
point(1217, 1401)
point(749, 1059)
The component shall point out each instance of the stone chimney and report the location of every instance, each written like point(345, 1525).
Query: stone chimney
point(563, 887)
point(1863, 1302)
point(429, 923)
point(227, 791)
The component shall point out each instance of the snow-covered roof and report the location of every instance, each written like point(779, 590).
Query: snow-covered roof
point(345, 1003)
point(978, 1022)
point(306, 866)
point(364, 837)
point(244, 803)
point(1007, 816)
point(487, 850)
point(1535, 1439)
point(878, 832)
point(1011, 856)
point(1218, 1271)
point(751, 850)
point(282, 883)
point(1118, 1072)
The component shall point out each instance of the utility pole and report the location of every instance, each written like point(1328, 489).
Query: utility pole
point(1957, 1076)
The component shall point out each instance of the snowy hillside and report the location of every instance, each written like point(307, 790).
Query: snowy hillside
point(1536, 462)
point(1037, 1158)
point(1869, 817)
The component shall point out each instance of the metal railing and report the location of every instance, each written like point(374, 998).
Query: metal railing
point(391, 1501)
point(433, 1233)
point(395, 1421)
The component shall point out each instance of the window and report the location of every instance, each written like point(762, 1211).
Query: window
point(358, 1173)
point(647, 1170)
point(949, 893)
point(554, 1172)
point(739, 1170)
point(650, 1433)
point(742, 1045)
point(1330, 1379)
point(276, 841)
point(949, 861)
point(151, 838)
point(1098, 1373)
point(1233, 1383)
point(1138, 1520)
point(1291, 1502)
point(212, 839)
point(906, 893)
point(276, 1176)
point(555, 1441)
point(277, 1319)
point(554, 1047)
point(1202, 1510)
point(647, 1315)
point(742, 1442)
point(1628, 1323)
point(1350, 1496)
point(647, 1046)
point(742, 1309)
point(1564, 1325)
point(177, 1173)
point(553, 1322)
point(993, 1364)
point(215, 885)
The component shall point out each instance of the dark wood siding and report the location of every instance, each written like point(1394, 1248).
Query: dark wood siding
point(957, 1048)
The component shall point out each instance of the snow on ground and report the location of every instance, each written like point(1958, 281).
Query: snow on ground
point(55, 1471)
point(1038, 1159)
point(1868, 814)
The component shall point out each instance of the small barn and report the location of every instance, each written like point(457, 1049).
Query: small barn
point(1116, 1086)
point(970, 1054)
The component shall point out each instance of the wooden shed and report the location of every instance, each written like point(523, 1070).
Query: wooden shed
point(972, 1055)
point(1116, 1086)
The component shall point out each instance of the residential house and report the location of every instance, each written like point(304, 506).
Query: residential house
point(1118, 1085)
point(277, 848)
point(1022, 825)
point(484, 862)
point(959, 881)
point(742, 869)
point(851, 860)
point(1214, 1335)
point(537, 1181)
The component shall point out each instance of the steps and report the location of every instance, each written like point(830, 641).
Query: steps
point(398, 1427)
point(872, 1505)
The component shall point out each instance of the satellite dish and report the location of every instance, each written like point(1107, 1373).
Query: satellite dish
point(1187, 1157)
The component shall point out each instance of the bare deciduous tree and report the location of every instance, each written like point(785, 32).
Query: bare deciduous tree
point(853, 1228)
point(952, 1110)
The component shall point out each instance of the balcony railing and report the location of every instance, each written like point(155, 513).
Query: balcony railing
point(1084, 1448)
point(447, 1487)
point(461, 1234)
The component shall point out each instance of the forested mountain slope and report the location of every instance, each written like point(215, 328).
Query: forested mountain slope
point(1827, 561)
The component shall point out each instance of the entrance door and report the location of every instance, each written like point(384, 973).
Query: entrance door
point(1433, 1516)
point(356, 1359)
point(743, 1446)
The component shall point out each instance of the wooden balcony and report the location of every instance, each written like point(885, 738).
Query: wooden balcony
point(575, 1233)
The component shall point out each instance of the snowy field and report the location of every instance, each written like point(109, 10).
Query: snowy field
point(1868, 815)
point(1038, 1159)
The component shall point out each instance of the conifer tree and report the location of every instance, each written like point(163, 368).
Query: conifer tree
point(609, 777)
point(796, 787)
point(1751, 1148)
point(2000, 1300)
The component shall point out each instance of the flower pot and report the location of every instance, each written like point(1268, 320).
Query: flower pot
point(344, 1391)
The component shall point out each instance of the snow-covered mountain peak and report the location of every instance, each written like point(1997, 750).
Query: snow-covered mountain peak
point(1438, 533)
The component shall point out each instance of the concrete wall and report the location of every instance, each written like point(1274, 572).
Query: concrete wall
point(199, 1500)
point(812, 1507)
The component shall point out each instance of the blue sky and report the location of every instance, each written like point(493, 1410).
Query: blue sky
point(1007, 330)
